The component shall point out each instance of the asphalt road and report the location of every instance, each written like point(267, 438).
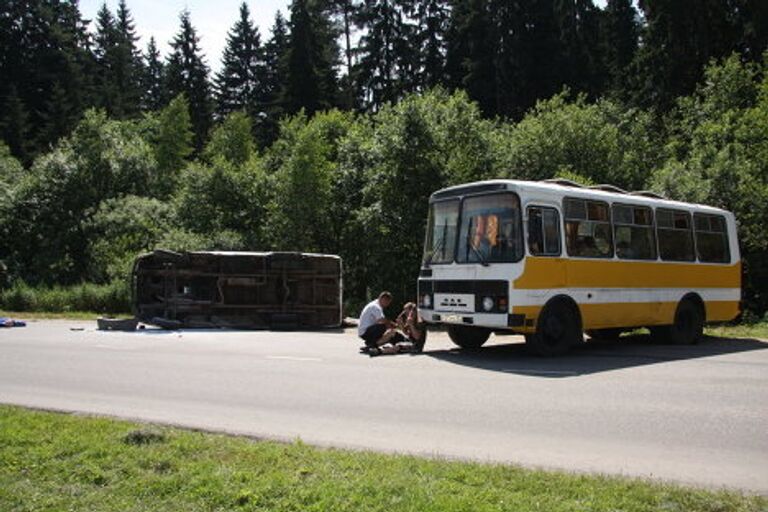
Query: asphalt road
point(697, 415)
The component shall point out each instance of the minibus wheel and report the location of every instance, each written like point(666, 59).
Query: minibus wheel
point(557, 330)
point(688, 327)
point(468, 337)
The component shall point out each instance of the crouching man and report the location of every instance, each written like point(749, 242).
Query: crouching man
point(375, 329)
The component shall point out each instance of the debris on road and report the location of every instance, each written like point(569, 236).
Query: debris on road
point(10, 322)
point(117, 324)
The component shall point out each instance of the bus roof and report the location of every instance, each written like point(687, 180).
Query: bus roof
point(563, 188)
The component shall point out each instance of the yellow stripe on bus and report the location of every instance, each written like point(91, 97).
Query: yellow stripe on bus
point(633, 314)
point(546, 273)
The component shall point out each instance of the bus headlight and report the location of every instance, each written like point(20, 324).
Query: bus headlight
point(426, 301)
point(488, 304)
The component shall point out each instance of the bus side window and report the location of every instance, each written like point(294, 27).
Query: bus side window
point(711, 238)
point(543, 231)
point(673, 230)
point(633, 232)
point(588, 232)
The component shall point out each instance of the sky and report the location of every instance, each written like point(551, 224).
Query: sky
point(211, 18)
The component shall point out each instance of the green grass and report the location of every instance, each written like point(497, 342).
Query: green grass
point(69, 315)
point(51, 461)
point(757, 330)
point(104, 298)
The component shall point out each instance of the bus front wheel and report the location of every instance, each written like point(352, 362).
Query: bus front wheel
point(468, 337)
point(557, 330)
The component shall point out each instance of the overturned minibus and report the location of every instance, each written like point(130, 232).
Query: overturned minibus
point(247, 290)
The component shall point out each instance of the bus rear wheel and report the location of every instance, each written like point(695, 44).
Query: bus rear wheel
point(557, 330)
point(688, 326)
point(468, 337)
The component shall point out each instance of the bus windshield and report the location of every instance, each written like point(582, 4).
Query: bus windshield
point(441, 232)
point(490, 229)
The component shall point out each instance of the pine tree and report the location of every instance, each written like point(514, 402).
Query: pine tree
point(108, 93)
point(752, 25)
point(620, 38)
point(240, 82)
point(472, 46)
point(43, 52)
point(187, 73)
point(275, 60)
point(388, 61)
point(118, 62)
point(153, 95)
point(344, 12)
point(679, 39)
point(310, 81)
point(432, 17)
point(579, 30)
point(129, 64)
point(14, 126)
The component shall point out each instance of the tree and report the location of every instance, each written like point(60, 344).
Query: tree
point(680, 37)
point(620, 34)
point(43, 55)
point(130, 66)
point(310, 77)
point(387, 66)
point(101, 159)
point(275, 61)
point(305, 158)
point(14, 126)
point(471, 49)
point(240, 83)
point(172, 143)
point(118, 63)
point(224, 202)
point(122, 228)
point(187, 73)
point(232, 140)
point(579, 25)
point(432, 17)
point(153, 93)
point(718, 154)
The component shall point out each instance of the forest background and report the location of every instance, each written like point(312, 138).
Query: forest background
point(329, 133)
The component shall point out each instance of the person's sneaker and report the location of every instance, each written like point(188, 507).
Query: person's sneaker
point(374, 352)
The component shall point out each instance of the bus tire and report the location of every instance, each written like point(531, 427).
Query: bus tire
point(558, 329)
point(688, 327)
point(468, 337)
point(604, 334)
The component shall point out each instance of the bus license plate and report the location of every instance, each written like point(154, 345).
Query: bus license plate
point(452, 319)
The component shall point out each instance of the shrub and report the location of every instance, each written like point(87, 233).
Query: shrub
point(109, 298)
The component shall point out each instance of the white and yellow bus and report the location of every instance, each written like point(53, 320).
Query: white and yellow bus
point(553, 260)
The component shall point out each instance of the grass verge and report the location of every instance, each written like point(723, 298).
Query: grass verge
point(106, 298)
point(757, 330)
point(69, 315)
point(51, 461)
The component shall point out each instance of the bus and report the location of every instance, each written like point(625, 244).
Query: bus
point(553, 260)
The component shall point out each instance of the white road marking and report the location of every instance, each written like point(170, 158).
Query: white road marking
point(292, 358)
point(539, 372)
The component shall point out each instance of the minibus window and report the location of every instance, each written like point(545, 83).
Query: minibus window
point(441, 232)
point(588, 229)
point(673, 230)
point(633, 232)
point(543, 231)
point(490, 229)
point(711, 238)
